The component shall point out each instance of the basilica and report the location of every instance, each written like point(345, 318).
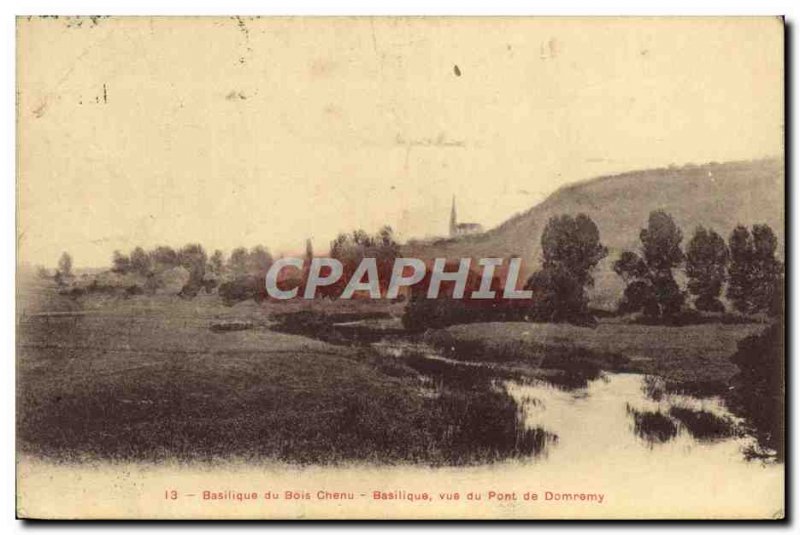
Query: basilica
point(461, 229)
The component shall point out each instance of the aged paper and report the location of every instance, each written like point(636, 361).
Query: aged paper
point(400, 268)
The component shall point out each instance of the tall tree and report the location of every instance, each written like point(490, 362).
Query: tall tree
point(768, 283)
point(216, 263)
point(571, 248)
point(309, 251)
point(65, 265)
point(573, 244)
point(651, 285)
point(661, 242)
point(706, 266)
point(237, 262)
point(755, 281)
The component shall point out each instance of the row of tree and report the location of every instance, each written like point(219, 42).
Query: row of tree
point(195, 260)
point(746, 267)
point(747, 263)
point(571, 248)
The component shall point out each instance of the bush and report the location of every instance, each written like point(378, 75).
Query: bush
point(758, 390)
point(422, 313)
point(558, 297)
point(242, 289)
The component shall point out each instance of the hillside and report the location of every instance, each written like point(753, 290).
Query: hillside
point(714, 195)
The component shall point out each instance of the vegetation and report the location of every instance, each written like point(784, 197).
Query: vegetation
point(64, 271)
point(651, 286)
point(571, 249)
point(755, 273)
point(706, 263)
point(702, 425)
point(758, 390)
point(748, 264)
point(238, 277)
point(422, 313)
point(697, 361)
point(95, 388)
point(653, 426)
point(350, 249)
point(65, 265)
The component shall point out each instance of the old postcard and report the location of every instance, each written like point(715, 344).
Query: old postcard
point(400, 268)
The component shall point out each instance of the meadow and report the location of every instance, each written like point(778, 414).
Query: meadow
point(146, 378)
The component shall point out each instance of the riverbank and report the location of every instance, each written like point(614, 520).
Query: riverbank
point(691, 359)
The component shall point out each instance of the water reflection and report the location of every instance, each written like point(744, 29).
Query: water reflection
point(630, 413)
point(652, 426)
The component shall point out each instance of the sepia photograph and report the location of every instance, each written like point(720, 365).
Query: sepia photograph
point(397, 268)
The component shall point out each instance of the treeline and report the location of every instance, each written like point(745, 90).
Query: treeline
point(240, 276)
point(745, 266)
point(350, 249)
point(744, 269)
point(205, 272)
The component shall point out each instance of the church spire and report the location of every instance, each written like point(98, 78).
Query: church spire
point(453, 218)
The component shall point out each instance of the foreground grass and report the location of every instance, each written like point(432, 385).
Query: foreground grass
point(146, 379)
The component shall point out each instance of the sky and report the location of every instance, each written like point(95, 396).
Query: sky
point(242, 131)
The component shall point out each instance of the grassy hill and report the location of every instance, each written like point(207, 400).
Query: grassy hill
point(714, 195)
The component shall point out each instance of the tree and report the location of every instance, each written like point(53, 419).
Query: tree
point(740, 244)
point(193, 257)
point(661, 242)
point(65, 265)
point(258, 261)
point(558, 296)
point(386, 251)
point(755, 274)
point(237, 262)
point(768, 270)
point(120, 263)
point(651, 286)
point(571, 249)
point(164, 257)
point(573, 244)
point(707, 260)
point(350, 249)
point(140, 261)
point(309, 251)
point(216, 263)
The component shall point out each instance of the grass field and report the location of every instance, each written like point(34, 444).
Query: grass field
point(147, 379)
